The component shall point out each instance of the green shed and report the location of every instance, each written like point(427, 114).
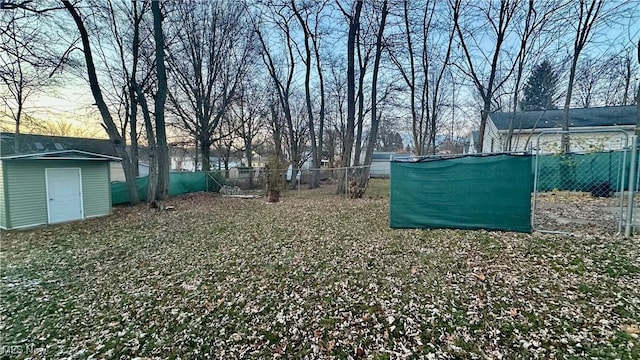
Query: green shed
point(51, 187)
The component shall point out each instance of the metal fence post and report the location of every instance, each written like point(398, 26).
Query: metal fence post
point(346, 182)
point(632, 184)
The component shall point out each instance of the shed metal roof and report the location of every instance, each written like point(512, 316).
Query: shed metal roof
point(12, 144)
point(583, 117)
point(62, 155)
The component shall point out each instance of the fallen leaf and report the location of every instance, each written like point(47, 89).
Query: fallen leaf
point(632, 330)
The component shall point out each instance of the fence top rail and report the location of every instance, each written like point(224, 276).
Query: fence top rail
point(262, 169)
point(455, 156)
point(624, 144)
point(580, 131)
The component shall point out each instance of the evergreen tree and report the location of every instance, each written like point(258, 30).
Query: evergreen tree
point(540, 89)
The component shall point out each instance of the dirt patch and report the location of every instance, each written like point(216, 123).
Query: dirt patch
point(576, 213)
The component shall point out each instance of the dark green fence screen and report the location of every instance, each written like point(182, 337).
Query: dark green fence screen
point(469, 192)
point(580, 172)
point(179, 183)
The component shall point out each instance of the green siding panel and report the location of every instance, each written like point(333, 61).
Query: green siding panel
point(96, 189)
point(3, 211)
point(27, 195)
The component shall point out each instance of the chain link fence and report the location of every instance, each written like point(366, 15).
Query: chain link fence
point(582, 190)
point(293, 182)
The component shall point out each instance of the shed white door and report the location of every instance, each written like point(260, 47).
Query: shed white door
point(64, 194)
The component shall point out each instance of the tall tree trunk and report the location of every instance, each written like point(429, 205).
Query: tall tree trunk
point(96, 91)
point(588, 16)
point(360, 114)
point(375, 121)
point(19, 112)
point(152, 178)
point(416, 130)
point(161, 96)
point(307, 92)
point(354, 26)
point(205, 151)
point(133, 114)
point(321, 115)
point(565, 143)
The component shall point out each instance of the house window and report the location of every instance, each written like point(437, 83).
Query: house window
point(492, 145)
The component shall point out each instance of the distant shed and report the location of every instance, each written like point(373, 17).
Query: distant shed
point(42, 187)
point(380, 163)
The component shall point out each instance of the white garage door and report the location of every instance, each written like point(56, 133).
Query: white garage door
point(64, 194)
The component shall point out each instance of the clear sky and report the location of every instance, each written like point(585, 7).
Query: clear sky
point(72, 101)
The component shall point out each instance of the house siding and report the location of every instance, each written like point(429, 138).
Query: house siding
point(3, 211)
point(579, 142)
point(27, 195)
point(96, 189)
point(491, 141)
point(117, 172)
point(584, 140)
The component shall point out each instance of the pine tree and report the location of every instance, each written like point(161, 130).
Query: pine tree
point(540, 89)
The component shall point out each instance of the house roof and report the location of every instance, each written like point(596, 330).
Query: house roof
point(62, 155)
point(17, 145)
point(584, 117)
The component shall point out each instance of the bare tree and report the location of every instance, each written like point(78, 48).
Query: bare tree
point(423, 60)
point(365, 47)
point(353, 18)
point(27, 62)
point(336, 112)
point(496, 20)
point(589, 13)
point(538, 30)
point(96, 90)
point(124, 24)
point(207, 66)
point(375, 120)
point(162, 149)
point(277, 21)
point(625, 68)
point(250, 111)
point(311, 35)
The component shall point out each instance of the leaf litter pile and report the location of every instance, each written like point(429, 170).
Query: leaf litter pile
point(319, 277)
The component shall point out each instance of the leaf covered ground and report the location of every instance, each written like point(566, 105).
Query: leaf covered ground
point(311, 277)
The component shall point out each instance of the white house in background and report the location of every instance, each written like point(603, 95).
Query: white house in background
point(601, 129)
point(117, 172)
point(381, 162)
point(470, 145)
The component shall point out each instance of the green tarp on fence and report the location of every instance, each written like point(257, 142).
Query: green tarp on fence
point(580, 172)
point(470, 192)
point(179, 183)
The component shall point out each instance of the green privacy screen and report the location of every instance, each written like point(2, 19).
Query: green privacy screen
point(469, 192)
point(179, 183)
point(579, 172)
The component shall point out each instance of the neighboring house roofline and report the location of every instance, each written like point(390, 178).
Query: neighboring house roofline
point(53, 155)
point(572, 128)
point(596, 118)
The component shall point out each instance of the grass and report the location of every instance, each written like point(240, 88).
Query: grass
point(316, 275)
